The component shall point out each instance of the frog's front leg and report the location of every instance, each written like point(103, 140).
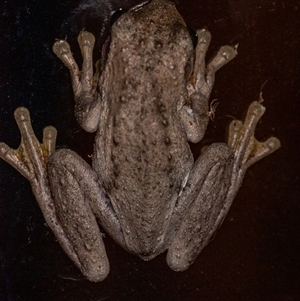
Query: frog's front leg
point(195, 114)
point(84, 82)
point(68, 192)
point(212, 185)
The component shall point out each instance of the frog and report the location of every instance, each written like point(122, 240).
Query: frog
point(146, 101)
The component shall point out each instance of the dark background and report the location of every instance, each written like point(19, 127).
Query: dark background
point(255, 254)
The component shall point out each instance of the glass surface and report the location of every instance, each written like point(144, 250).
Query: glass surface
point(254, 255)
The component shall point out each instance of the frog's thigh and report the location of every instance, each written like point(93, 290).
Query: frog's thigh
point(205, 191)
point(74, 187)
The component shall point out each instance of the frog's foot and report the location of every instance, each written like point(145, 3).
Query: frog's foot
point(84, 82)
point(204, 75)
point(247, 150)
point(31, 157)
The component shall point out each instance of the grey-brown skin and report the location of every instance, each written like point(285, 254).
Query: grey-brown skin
point(146, 102)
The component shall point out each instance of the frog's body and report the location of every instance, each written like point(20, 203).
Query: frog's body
point(142, 155)
point(144, 188)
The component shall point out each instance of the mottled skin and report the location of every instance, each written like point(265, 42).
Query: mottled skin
point(143, 91)
point(146, 101)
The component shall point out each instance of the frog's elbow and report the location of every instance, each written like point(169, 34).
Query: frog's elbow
point(89, 119)
point(194, 136)
point(89, 125)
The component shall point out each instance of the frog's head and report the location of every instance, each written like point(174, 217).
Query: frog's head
point(156, 29)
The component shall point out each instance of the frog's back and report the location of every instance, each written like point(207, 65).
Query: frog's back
point(142, 155)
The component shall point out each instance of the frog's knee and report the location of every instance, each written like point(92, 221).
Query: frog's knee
point(177, 262)
point(58, 155)
point(62, 156)
point(96, 272)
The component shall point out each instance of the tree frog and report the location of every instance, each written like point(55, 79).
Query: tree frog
point(146, 99)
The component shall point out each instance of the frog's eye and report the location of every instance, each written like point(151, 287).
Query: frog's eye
point(194, 37)
point(117, 14)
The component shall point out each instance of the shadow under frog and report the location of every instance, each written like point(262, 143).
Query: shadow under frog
point(144, 187)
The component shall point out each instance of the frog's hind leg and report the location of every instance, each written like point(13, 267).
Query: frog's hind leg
point(67, 202)
point(212, 186)
point(199, 206)
point(78, 197)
